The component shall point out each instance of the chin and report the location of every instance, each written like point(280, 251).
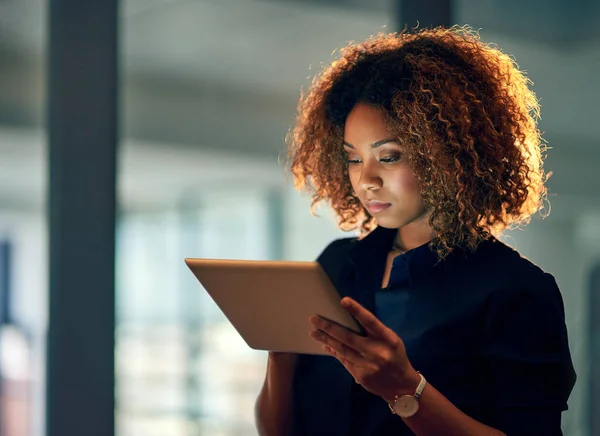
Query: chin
point(391, 222)
point(396, 222)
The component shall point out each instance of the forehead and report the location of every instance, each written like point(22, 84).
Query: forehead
point(365, 124)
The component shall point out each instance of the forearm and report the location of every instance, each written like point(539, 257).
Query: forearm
point(274, 414)
point(437, 415)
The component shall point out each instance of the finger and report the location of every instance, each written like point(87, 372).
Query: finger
point(369, 321)
point(350, 367)
point(340, 333)
point(341, 351)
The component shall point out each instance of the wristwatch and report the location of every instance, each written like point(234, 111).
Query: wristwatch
point(406, 406)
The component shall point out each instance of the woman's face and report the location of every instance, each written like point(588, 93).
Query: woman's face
point(379, 173)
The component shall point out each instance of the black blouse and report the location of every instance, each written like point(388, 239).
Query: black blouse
point(487, 329)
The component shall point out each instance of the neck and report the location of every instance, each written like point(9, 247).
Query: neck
point(412, 235)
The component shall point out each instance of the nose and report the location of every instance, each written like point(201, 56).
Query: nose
point(370, 178)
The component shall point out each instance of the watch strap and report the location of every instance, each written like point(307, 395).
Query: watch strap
point(416, 395)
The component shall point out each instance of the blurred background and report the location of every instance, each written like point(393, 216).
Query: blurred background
point(207, 91)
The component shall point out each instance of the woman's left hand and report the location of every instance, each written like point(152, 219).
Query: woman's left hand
point(377, 361)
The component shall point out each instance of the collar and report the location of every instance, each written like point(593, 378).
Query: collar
point(372, 251)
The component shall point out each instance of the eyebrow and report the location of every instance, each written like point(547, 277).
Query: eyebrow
point(375, 144)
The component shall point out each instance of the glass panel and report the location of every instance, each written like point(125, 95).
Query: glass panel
point(210, 89)
point(23, 240)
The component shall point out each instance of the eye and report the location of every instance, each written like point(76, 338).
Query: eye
point(352, 161)
point(390, 159)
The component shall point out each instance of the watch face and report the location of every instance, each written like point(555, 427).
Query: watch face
point(406, 406)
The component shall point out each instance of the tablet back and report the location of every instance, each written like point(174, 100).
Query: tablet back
point(269, 302)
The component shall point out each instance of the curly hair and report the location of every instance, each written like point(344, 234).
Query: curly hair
point(462, 110)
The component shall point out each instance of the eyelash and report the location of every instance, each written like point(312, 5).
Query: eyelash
point(387, 160)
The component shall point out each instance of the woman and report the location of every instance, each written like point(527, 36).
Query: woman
point(428, 144)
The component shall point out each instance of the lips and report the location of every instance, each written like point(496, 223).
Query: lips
point(377, 206)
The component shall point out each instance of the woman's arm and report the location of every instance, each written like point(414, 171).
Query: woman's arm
point(273, 410)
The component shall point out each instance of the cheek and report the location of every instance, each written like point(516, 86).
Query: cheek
point(406, 183)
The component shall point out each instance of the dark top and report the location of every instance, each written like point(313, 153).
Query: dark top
point(487, 329)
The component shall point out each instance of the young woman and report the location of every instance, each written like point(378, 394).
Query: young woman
point(427, 143)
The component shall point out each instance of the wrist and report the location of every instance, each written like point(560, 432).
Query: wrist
point(282, 359)
point(406, 405)
point(406, 386)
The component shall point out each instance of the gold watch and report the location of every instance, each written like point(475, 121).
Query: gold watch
point(406, 406)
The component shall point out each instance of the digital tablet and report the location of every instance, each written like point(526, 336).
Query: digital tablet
point(269, 302)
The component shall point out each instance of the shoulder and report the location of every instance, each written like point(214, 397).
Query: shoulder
point(498, 263)
point(526, 275)
point(334, 258)
point(336, 248)
point(496, 253)
point(517, 285)
point(501, 278)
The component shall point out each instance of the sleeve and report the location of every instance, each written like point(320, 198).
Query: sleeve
point(527, 358)
point(331, 253)
point(332, 257)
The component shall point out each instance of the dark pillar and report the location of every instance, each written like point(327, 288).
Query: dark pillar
point(82, 137)
point(427, 13)
point(5, 282)
point(5, 302)
point(594, 349)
